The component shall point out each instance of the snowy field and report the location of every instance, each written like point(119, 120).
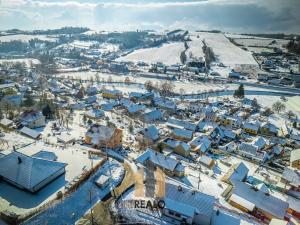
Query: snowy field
point(226, 52)
point(188, 87)
point(26, 38)
point(195, 46)
point(259, 42)
point(168, 54)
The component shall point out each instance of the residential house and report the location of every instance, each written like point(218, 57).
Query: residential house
point(295, 158)
point(201, 144)
point(30, 132)
point(259, 142)
point(165, 104)
point(178, 147)
point(135, 109)
point(206, 161)
point(187, 205)
point(251, 128)
point(269, 129)
point(251, 151)
point(182, 134)
point(292, 177)
point(94, 113)
point(237, 172)
point(112, 94)
point(248, 198)
point(6, 122)
point(148, 135)
point(104, 136)
point(181, 124)
point(152, 115)
point(169, 165)
point(32, 119)
point(29, 173)
point(234, 122)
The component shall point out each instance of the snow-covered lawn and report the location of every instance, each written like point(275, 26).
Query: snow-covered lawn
point(167, 53)
point(292, 103)
point(78, 203)
point(226, 52)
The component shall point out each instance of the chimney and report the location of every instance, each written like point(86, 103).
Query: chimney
point(19, 160)
point(179, 188)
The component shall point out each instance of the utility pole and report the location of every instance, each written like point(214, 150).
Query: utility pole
point(90, 198)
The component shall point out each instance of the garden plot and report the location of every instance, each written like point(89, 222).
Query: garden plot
point(167, 54)
point(226, 52)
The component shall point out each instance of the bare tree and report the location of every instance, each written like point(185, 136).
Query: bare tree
point(278, 107)
point(149, 85)
point(166, 88)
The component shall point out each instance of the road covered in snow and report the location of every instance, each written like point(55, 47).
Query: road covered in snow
point(78, 203)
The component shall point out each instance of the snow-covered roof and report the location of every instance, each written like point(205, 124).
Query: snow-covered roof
point(65, 138)
point(259, 142)
point(158, 159)
point(295, 155)
point(150, 132)
point(181, 124)
point(243, 202)
point(100, 133)
point(292, 176)
point(27, 172)
point(267, 203)
point(183, 133)
point(175, 143)
point(153, 115)
point(181, 198)
point(6, 122)
point(251, 126)
point(239, 172)
point(201, 142)
point(136, 108)
point(94, 113)
point(206, 160)
point(30, 132)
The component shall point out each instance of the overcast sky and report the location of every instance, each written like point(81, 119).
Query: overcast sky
point(262, 16)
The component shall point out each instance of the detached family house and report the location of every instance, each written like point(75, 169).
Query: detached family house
point(29, 173)
point(186, 205)
point(32, 119)
point(251, 128)
point(103, 136)
point(178, 147)
point(170, 166)
point(112, 94)
point(148, 135)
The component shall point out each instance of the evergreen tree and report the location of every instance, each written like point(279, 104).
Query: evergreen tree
point(240, 92)
point(29, 101)
point(47, 112)
point(1, 114)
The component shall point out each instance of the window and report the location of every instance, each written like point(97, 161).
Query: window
point(177, 215)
